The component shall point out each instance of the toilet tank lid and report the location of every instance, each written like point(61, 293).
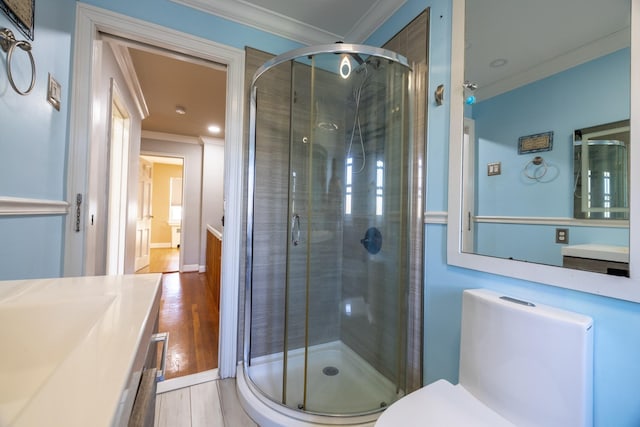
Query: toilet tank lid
point(531, 363)
point(540, 309)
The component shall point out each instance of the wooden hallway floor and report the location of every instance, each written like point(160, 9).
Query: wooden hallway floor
point(162, 260)
point(188, 313)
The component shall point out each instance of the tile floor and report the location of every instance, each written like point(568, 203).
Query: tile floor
point(212, 403)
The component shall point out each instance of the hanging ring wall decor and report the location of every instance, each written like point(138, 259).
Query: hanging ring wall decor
point(535, 169)
point(9, 43)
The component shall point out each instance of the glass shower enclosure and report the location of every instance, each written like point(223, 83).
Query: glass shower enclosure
point(327, 230)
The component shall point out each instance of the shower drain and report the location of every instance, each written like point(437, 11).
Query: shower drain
point(330, 371)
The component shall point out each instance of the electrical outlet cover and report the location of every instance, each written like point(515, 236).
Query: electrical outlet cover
point(562, 235)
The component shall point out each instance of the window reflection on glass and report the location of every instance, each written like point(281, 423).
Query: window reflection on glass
point(349, 186)
point(379, 186)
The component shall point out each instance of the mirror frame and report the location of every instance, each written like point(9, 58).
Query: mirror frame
point(596, 283)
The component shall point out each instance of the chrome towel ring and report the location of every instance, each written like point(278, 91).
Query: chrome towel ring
point(9, 43)
point(535, 169)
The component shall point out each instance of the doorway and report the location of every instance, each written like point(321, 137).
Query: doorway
point(90, 22)
point(172, 144)
point(160, 191)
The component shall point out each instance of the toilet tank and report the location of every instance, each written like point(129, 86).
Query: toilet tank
point(533, 364)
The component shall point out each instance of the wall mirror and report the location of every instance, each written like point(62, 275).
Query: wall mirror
point(542, 138)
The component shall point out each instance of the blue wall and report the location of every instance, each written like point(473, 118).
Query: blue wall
point(33, 145)
point(590, 94)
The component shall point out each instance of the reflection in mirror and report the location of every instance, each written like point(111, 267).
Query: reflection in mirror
point(524, 77)
point(531, 81)
point(600, 153)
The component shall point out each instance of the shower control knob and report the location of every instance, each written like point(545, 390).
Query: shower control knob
point(372, 241)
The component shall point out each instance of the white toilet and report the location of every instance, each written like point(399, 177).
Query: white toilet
point(521, 365)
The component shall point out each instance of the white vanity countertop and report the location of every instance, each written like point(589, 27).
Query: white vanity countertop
point(594, 251)
point(69, 347)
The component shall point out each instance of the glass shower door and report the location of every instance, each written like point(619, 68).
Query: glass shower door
point(327, 232)
point(346, 252)
point(297, 257)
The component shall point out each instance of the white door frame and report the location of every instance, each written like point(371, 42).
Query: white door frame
point(468, 185)
point(118, 171)
point(90, 21)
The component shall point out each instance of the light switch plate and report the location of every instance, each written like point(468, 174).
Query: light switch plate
point(54, 92)
point(493, 168)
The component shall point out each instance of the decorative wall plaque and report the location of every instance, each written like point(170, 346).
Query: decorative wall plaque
point(535, 143)
point(22, 13)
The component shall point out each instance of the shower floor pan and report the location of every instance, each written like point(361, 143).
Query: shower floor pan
point(339, 382)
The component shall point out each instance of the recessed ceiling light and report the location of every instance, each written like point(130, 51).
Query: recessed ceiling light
point(181, 110)
point(496, 63)
point(214, 129)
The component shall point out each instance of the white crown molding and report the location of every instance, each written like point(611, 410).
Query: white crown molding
point(265, 20)
point(601, 47)
point(372, 19)
point(211, 140)
point(123, 58)
point(24, 206)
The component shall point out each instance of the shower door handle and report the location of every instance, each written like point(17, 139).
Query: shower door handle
point(295, 229)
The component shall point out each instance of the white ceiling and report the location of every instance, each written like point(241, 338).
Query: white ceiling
point(537, 38)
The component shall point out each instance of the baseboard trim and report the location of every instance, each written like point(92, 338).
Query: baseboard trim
point(160, 245)
point(188, 268)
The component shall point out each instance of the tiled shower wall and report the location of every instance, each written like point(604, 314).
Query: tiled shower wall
point(413, 43)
